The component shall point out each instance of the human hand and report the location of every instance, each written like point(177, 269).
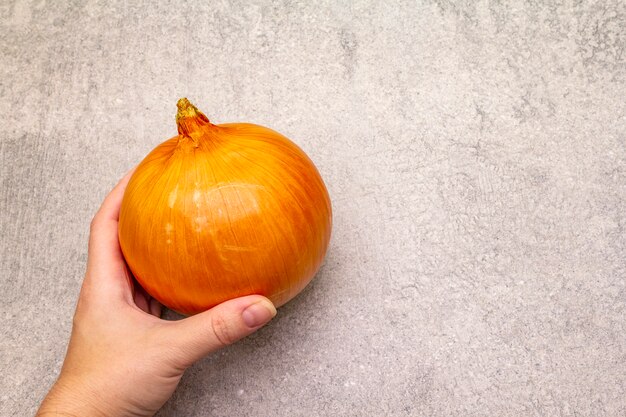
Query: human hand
point(122, 359)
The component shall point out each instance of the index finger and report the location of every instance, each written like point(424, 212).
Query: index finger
point(110, 208)
point(106, 268)
point(103, 241)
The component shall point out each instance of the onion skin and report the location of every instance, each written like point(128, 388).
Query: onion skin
point(223, 211)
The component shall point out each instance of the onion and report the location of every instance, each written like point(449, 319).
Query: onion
point(223, 211)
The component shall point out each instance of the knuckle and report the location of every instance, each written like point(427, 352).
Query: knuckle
point(94, 223)
point(81, 317)
point(222, 330)
point(76, 319)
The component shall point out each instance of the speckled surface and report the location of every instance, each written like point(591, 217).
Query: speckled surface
point(474, 151)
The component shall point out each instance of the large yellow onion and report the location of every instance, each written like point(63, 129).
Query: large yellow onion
point(222, 211)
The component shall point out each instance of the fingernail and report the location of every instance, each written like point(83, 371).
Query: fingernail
point(258, 313)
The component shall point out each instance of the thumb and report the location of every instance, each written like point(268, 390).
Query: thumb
point(224, 324)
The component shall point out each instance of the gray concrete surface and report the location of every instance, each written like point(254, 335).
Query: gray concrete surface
point(475, 154)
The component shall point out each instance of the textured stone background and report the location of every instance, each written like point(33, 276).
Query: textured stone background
point(475, 154)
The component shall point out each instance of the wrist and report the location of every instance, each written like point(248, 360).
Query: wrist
point(72, 399)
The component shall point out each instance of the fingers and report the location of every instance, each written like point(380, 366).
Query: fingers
point(141, 298)
point(155, 308)
point(103, 240)
point(144, 301)
point(110, 207)
point(199, 335)
point(105, 257)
